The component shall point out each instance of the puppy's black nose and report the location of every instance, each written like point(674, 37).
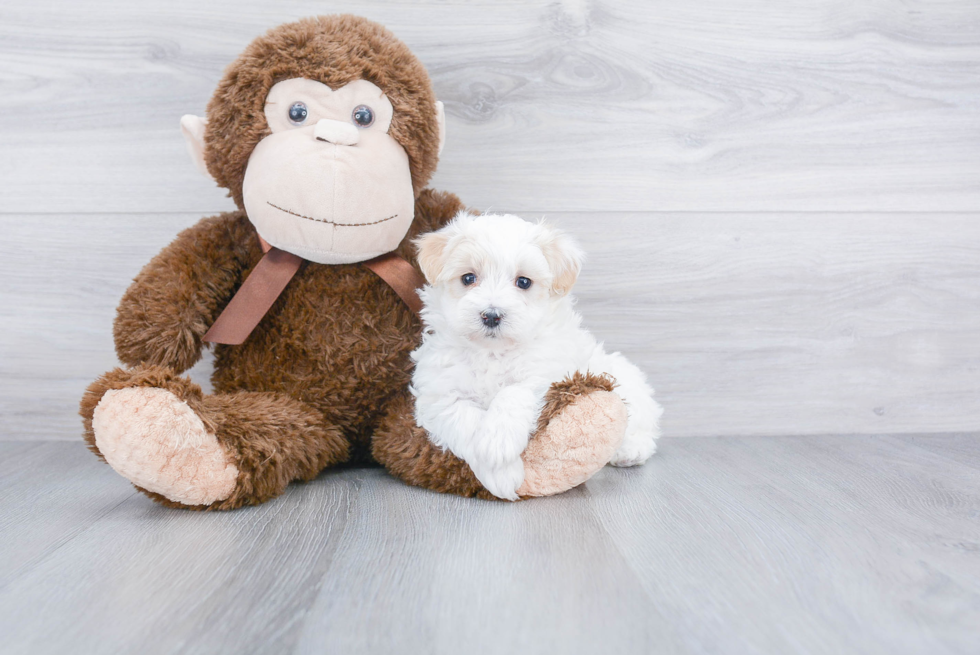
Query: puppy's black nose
point(491, 318)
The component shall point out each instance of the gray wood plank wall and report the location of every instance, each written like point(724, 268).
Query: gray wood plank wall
point(781, 201)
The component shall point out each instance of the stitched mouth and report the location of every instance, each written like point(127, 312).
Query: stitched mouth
point(323, 220)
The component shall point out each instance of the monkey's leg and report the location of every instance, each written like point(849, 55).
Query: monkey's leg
point(185, 449)
point(405, 450)
point(581, 425)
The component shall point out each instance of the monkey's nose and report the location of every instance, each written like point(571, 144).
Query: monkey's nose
point(336, 132)
point(492, 317)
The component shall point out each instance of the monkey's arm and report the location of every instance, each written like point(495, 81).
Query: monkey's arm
point(172, 302)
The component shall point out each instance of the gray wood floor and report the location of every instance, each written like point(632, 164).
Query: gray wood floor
point(821, 544)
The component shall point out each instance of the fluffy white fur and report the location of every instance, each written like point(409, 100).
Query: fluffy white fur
point(479, 389)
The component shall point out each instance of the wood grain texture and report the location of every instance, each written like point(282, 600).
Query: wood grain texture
point(810, 545)
point(572, 105)
point(745, 324)
point(798, 324)
point(48, 496)
point(64, 277)
point(720, 533)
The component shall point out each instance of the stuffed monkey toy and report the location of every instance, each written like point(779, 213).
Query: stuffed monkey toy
point(325, 132)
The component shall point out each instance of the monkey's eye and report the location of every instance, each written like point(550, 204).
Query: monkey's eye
point(298, 113)
point(523, 283)
point(468, 279)
point(363, 116)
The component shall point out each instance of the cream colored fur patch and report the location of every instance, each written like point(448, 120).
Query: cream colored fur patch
point(563, 456)
point(154, 440)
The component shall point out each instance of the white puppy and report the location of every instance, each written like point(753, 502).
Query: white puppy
point(500, 327)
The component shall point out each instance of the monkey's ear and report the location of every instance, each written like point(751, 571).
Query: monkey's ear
point(432, 250)
point(563, 255)
point(441, 119)
point(192, 127)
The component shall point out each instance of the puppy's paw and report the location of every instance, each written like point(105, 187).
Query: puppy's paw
point(538, 386)
point(501, 441)
point(502, 480)
point(524, 399)
point(514, 411)
point(637, 447)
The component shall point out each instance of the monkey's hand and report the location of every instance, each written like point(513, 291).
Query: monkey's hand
point(173, 301)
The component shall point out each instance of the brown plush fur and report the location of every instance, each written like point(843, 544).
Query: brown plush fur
point(564, 393)
point(309, 385)
point(273, 438)
point(405, 450)
point(334, 50)
point(323, 378)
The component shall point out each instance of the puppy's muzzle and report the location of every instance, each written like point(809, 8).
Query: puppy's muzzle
point(491, 317)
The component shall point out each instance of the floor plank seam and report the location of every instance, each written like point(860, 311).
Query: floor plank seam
point(31, 564)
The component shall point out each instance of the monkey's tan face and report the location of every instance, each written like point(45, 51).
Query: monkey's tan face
point(329, 184)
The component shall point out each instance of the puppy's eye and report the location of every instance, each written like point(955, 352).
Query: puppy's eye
point(468, 279)
point(523, 283)
point(298, 113)
point(363, 116)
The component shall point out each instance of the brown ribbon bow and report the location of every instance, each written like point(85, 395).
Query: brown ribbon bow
point(274, 271)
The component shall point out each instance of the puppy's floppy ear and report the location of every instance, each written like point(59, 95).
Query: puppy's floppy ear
point(432, 249)
point(432, 253)
point(432, 246)
point(563, 255)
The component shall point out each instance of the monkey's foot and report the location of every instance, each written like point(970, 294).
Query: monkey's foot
point(581, 427)
point(156, 441)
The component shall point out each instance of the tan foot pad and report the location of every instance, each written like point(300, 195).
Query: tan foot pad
point(575, 445)
point(153, 439)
